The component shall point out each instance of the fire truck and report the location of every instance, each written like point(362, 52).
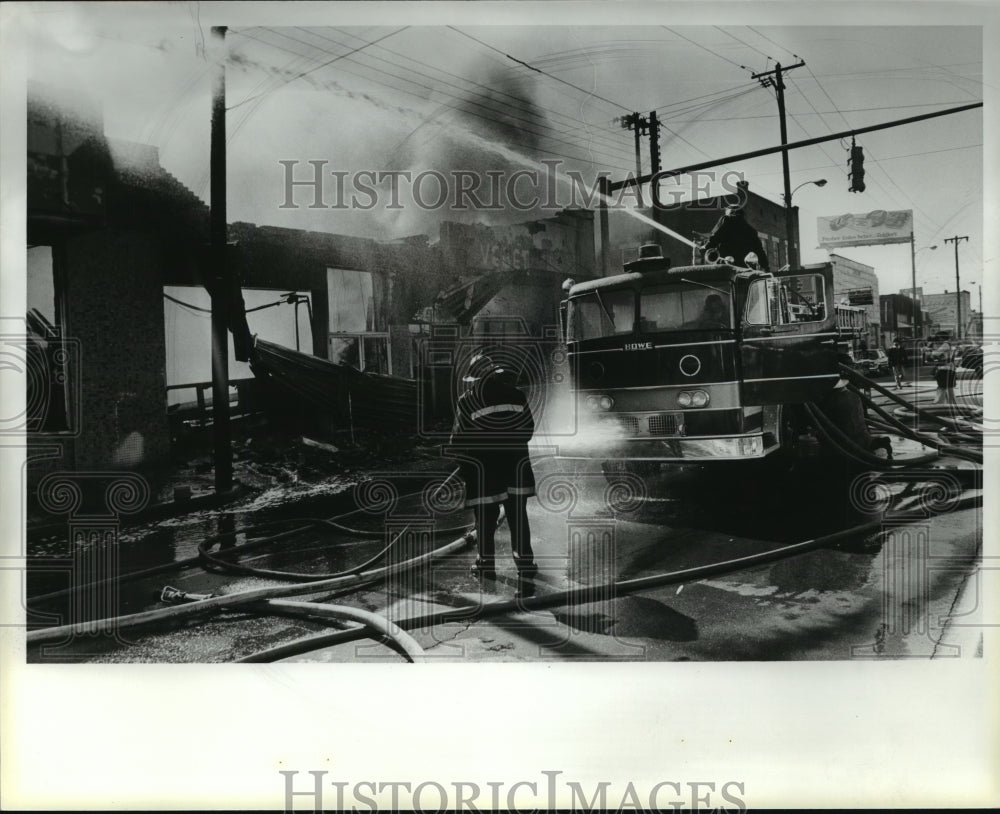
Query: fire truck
point(697, 363)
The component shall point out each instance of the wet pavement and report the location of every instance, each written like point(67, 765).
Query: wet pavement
point(908, 591)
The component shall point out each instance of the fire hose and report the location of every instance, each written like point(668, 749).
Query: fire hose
point(269, 599)
point(582, 595)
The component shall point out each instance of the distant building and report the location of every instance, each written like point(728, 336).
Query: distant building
point(855, 283)
point(942, 308)
point(695, 220)
point(900, 318)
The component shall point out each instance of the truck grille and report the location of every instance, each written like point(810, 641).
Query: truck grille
point(663, 424)
point(629, 423)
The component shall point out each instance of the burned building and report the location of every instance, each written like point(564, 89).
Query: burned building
point(105, 223)
point(115, 257)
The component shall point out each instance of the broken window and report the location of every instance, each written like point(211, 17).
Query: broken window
point(353, 337)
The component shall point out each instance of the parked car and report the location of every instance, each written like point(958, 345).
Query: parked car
point(937, 353)
point(971, 358)
point(916, 349)
point(853, 360)
point(874, 363)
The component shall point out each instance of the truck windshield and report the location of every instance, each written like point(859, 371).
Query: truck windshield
point(601, 313)
point(683, 307)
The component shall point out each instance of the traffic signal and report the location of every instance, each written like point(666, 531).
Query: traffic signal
point(857, 168)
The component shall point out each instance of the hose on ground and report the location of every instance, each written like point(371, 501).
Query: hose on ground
point(897, 426)
point(217, 563)
point(862, 381)
point(222, 564)
point(842, 443)
point(373, 621)
point(584, 595)
point(231, 601)
point(187, 562)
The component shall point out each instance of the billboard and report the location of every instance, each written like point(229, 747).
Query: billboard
point(870, 229)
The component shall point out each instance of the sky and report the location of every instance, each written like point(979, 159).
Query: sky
point(506, 97)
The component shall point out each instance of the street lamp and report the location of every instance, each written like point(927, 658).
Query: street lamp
point(918, 321)
point(918, 318)
point(793, 260)
point(980, 326)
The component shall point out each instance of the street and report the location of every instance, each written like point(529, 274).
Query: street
point(903, 588)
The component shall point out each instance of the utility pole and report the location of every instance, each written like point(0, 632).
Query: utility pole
point(958, 288)
point(779, 87)
point(220, 286)
point(795, 145)
point(654, 142)
point(654, 162)
point(640, 126)
point(603, 193)
point(916, 317)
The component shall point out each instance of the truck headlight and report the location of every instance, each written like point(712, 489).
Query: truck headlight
point(692, 398)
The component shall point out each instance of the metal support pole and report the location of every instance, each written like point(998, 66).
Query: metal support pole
point(795, 145)
point(604, 192)
point(915, 315)
point(219, 276)
point(638, 163)
point(789, 229)
point(958, 286)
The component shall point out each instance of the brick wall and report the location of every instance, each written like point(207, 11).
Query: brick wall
point(627, 233)
point(114, 299)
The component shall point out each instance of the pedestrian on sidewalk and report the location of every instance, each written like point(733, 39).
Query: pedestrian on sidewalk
point(897, 361)
point(493, 424)
point(945, 375)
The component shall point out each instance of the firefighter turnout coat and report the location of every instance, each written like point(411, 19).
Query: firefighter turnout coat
point(493, 424)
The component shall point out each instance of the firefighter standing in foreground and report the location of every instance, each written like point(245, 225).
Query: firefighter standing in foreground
point(493, 424)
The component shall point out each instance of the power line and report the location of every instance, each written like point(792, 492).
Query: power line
point(536, 119)
point(739, 90)
point(703, 48)
point(187, 305)
point(884, 158)
point(452, 107)
point(822, 112)
point(600, 49)
point(199, 309)
point(782, 47)
point(741, 42)
point(796, 145)
point(613, 143)
point(328, 62)
point(539, 70)
point(902, 68)
point(873, 157)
